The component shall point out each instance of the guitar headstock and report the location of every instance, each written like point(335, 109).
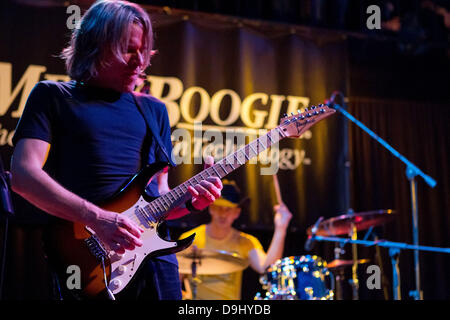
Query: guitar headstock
point(296, 124)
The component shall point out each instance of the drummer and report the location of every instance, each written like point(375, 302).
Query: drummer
point(220, 235)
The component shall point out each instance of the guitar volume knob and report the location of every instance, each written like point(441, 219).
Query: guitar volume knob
point(121, 270)
point(115, 284)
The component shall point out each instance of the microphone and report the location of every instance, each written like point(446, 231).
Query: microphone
point(337, 97)
point(311, 238)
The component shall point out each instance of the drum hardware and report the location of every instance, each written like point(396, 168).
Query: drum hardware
point(349, 225)
point(354, 282)
point(385, 282)
point(394, 251)
point(341, 264)
point(337, 266)
point(345, 224)
point(297, 278)
point(339, 272)
point(210, 262)
point(195, 280)
point(195, 262)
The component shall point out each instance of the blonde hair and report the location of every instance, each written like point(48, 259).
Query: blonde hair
point(105, 28)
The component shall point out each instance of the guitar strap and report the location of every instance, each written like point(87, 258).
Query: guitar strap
point(149, 117)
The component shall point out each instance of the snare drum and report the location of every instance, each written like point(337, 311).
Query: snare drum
point(297, 278)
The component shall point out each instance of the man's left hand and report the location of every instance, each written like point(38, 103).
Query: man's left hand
point(207, 191)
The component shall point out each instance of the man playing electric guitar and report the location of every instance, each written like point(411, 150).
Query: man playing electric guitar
point(79, 142)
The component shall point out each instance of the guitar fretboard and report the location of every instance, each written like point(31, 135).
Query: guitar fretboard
point(158, 208)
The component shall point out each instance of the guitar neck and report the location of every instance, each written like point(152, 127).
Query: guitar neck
point(159, 207)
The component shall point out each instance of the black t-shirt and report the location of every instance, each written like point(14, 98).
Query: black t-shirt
point(98, 137)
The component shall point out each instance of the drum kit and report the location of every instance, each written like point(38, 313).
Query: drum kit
point(307, 277)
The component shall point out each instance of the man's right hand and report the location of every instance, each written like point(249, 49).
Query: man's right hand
point(29, 180)
point(117, 231)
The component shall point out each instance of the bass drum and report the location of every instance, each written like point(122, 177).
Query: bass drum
point(297, 278)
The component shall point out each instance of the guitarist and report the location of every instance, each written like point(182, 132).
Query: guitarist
point(78, 142)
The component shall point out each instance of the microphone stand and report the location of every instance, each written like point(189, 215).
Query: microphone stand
point(411, 172)
point(310, 241)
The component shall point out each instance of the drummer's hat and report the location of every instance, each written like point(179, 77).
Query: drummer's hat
point(230, 196)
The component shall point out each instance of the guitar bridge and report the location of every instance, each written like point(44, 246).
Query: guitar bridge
point(96, 248)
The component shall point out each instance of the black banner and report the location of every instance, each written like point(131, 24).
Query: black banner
point(225, 75)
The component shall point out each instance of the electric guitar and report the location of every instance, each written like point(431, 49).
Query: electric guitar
point(104, 271)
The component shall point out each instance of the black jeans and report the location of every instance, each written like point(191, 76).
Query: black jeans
point(156, 280)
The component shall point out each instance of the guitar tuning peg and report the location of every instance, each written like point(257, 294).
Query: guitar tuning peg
point(306, 109)
point(299, 111)
point(285, 115)
point(292, 114)
point(313, 107)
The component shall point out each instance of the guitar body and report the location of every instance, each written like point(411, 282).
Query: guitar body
point(66, 245)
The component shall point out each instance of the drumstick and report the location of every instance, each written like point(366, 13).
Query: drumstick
point(277, 189)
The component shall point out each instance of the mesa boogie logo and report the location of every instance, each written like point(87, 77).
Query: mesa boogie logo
point(219, 111)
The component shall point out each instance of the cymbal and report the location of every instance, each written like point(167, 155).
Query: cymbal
point(338, 263)
point(342, 225)
point(210, 262)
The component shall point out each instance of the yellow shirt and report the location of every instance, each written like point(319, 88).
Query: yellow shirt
point(223, 286)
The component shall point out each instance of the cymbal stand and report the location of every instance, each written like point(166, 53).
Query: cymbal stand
point(394, 253)
point(339, 273)
point(196, 260)
point(354, 282)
